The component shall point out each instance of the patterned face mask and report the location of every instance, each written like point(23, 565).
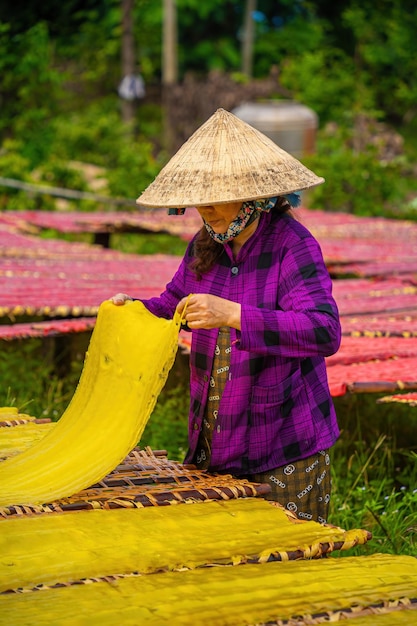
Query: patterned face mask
point(247, 213)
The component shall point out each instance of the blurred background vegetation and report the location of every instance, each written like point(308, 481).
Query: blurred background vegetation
point(354, 62)
point(62, 123)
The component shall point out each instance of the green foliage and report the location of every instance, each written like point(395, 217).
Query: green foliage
point(279, 46)
point(167, 426)
point(30, 380)
point(97, 45)
point(374, 473)
point(218, 55)
point(386, 511)
point(211, 34)
point(133, 168)
point(97, 135)
point(92, 133)
point(148, 38)
point(357, 180)
point(13, 165)
point(60, 173)
point(386, 48)
point(30, 89)
point(160, 243)
point(210, 29)
point(324, 80)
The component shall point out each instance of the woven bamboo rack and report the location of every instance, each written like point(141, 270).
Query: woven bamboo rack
point(147, 478)
point(147, 482)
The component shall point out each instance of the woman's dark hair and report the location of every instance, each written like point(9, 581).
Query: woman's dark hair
point(206, 251)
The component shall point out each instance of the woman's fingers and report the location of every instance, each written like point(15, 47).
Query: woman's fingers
point(203, 310)
point(120, 298)
point(186, 303)
point(208, 311)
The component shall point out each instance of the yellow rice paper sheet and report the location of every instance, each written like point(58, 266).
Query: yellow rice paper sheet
point(120, 541)
point(128, 360)
point(223, 596)
point(16, 439)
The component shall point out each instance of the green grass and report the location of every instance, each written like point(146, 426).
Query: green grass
point(29, 377)
point(133, 243)
point(161, 243)
point(374, 473)
point(371, 492)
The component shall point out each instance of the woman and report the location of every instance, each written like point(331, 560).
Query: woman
point(261, 313)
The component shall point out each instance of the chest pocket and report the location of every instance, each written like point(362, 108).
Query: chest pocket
point(279, 394)
point(279, 417)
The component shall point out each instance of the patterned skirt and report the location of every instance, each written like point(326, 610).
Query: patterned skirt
point(302, 487)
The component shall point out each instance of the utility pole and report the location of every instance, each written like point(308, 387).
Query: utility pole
point(169, 65)
point(128, 56)
point(170, 45)
point(248, 38)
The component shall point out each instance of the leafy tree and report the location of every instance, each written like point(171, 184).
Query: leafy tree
point(30, 88)
point(385, 53)
point(63, 19)
point(61, 65)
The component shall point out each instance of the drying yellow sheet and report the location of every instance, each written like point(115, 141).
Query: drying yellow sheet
point(128, 360)
point(223, 596)
point(120, 541)
point(11, 413)
point(15, 439)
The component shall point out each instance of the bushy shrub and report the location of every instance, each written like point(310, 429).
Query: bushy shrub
point(360, 180)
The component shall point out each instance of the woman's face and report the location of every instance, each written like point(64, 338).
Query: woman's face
point(219, 216)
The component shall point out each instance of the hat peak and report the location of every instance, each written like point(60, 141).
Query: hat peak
point(226, 160)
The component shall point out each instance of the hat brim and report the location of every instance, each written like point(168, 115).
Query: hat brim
point(226, 160)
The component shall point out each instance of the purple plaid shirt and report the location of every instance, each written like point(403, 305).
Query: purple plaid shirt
point(276, 406)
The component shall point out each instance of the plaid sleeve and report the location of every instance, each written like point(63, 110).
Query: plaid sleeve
point(305, 322)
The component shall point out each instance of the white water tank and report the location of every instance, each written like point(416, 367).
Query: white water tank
point(292, 126)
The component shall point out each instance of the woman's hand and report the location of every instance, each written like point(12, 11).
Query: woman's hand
point(120, 298)
point(206, 311)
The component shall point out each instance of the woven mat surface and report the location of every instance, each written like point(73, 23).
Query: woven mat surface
point(147, 478)
point(18, 435)
point(227, 596)
point(402, 398)
point(104, 542)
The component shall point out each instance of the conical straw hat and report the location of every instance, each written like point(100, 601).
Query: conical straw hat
point(226, 160)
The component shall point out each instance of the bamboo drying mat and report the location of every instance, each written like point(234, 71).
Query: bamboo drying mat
point(10, 416)
point(148, 478)
point(122, 541)
point(144, 478)
point(11, 421)
point(377, 589)
point(19, 434)
point(401, 398)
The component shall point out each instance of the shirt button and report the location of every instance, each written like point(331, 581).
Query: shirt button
point(195, 426)
point(205, 378)
point(235, 270)
point(218, 428)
